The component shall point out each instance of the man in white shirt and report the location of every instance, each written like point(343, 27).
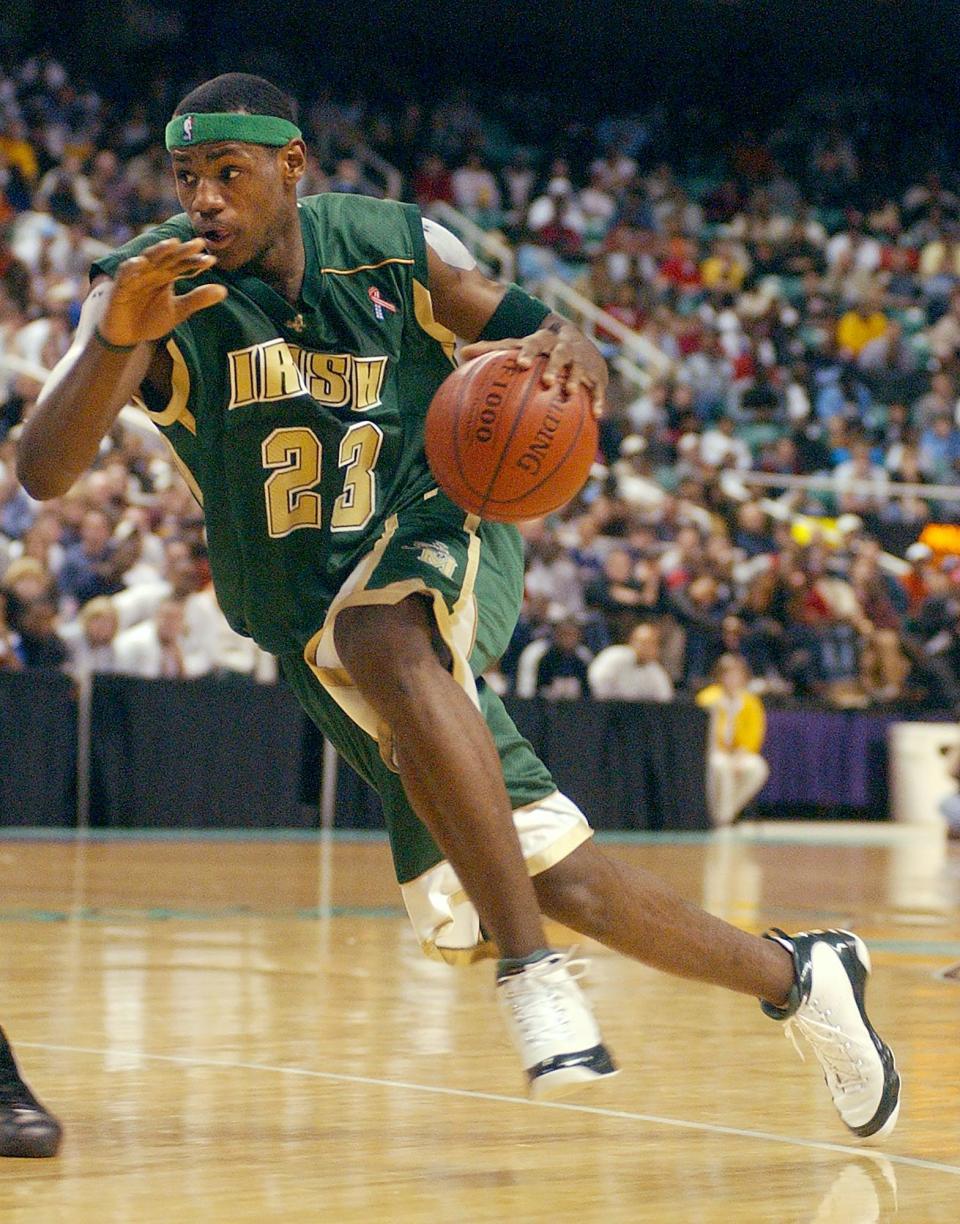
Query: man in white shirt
point(860, 467)
point(632, 672)
point(474, 186)
point(719, 448)
point(159, 648)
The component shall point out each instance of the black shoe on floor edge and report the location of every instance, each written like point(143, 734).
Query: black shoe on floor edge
point(27, 1130)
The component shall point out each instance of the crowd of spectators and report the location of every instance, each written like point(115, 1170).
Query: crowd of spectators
point(804, 298)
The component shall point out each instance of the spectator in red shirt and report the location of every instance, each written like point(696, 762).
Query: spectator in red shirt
point(681, 270)
point(432, 182)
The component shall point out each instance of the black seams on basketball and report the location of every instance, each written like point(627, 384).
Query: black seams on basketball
point(504, 446)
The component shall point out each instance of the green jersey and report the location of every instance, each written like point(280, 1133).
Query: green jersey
point(300, 430)
point(300, 427)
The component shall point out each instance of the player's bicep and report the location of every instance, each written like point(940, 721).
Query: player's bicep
point(463, 298)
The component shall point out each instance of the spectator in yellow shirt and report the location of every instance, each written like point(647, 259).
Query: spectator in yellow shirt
point(859, 326)
point(16, 150)
point(735, 769)
point(723, 270)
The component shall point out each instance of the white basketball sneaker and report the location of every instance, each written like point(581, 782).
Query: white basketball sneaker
point(552, 1025)
point(827, 1006)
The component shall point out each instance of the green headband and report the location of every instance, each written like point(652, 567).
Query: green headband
point(186, 130)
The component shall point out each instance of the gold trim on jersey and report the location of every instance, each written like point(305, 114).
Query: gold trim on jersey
point(395, 259)
point(423, 313)
point(338, 676)
point(470, 525)
point(176, 411)
point(189, 479)
point(458, 628)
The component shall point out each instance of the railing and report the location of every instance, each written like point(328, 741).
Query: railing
point(863, 488)
point(636, 358)
point(378, 174)
point(576, 303)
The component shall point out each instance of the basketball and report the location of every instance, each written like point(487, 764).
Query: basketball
point(504, 446)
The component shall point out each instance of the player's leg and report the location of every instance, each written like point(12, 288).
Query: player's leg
point(634, 912)
point(27, 1129)
point(447, 761)
point(815, 981)
point(558, 1040)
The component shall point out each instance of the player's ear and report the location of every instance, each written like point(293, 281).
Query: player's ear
point(293, 161)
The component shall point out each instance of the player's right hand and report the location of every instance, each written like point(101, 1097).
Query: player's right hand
point(143, 305)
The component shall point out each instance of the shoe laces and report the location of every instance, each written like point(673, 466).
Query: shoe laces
point(540, 1001)
point(837, 1054)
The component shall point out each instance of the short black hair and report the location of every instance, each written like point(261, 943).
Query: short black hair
point(238, 91)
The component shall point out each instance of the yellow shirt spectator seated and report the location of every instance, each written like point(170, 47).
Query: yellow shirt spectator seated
point(736, 771)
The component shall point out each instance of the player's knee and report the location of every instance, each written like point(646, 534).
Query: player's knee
point(569, 891)
point(386, 649)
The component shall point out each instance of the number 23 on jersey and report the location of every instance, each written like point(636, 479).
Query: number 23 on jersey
point(294, 457)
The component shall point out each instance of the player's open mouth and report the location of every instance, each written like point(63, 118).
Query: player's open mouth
point(216, 238)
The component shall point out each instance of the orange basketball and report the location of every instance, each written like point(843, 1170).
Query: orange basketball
point(504, 446)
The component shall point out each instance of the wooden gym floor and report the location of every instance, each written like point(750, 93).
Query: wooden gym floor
point(244, 1030)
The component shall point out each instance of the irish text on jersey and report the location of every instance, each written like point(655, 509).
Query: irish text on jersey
point(276, 370)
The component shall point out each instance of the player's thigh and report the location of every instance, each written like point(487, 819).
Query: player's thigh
point(471, 571)
point(412, 847)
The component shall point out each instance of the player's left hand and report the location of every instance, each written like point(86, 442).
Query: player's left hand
point(569, 354)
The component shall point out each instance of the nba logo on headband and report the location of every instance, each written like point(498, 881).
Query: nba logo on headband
point(188, 128)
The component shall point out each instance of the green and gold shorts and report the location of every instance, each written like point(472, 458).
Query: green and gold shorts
point(472, 573)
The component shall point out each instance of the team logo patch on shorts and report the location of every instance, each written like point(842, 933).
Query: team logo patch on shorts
point(436, 554)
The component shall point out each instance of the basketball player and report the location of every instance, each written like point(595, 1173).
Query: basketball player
point(292, 381)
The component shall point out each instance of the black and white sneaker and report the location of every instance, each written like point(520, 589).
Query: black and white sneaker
point(26, 1128)
point(827, 1006)
point(553, 1026)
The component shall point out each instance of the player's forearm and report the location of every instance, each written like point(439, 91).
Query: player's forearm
point(76, 408)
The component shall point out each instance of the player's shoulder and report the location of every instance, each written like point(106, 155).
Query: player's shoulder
point(363, 229)
point(175, 227)
point(350, 207)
